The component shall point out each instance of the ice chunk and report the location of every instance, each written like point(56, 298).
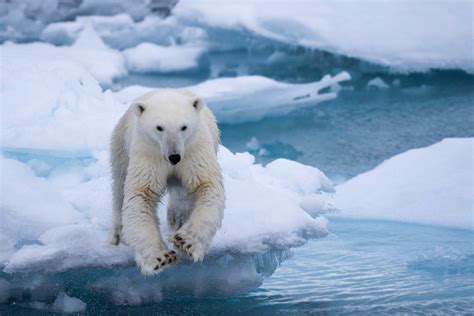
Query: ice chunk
point(272, 200)
point(226, 275)
point(422, 35)
point(58, 104)
point(62, 33)
point(55, 146)
point(149, 58)
point(103, 63)
point(253, 144)
point(22, 20)
point(121, 31)
point(229, 274)
point(432, 185)
point(129, 289)
point(250, 98)
point(62, 304)
point(377, 83)
point(23, 219)
point(67, 304)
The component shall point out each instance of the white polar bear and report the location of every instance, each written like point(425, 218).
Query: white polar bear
point(167, 140)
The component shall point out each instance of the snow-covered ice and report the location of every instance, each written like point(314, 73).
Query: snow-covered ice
point(431, 185)
point(121, 31)
point(149, 58)
point(25, 19)
point(54, 151)
point(243, 252)
point(60, 98)
point(72, 231)
point(102, 62)
point(414, 36)
point(58, 104)
point(406, 36)
point(251, 98)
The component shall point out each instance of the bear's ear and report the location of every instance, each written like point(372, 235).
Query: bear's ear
point(138, 107)
point(198, 103)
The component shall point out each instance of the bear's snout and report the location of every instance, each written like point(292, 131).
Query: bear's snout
point(174, 159)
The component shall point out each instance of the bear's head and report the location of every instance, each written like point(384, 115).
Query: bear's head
point(170, 118)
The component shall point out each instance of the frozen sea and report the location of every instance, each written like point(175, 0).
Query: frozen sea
point(362, 266)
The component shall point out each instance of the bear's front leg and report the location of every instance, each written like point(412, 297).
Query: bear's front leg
point(140, 224)
point(195, 236)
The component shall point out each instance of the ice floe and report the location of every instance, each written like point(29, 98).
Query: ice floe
point(102, 62)
point(149, 58)
point(251, 98)
point(431, 185)
point(54, 216)
point(414, 36)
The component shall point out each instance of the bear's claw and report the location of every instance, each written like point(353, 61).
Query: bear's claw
point(166, 259)
point(188, 245)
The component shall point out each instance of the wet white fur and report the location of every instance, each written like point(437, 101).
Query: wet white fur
point(142, 173)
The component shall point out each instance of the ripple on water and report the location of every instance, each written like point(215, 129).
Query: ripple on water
point(431, 271)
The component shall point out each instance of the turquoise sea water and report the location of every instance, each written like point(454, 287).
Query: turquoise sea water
point(362, 267)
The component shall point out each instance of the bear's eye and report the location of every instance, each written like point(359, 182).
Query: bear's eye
point(184, 128)
point(159, 128)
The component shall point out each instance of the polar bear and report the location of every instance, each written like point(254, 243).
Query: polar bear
point(166, 141)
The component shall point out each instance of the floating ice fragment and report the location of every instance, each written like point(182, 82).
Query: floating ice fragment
point(67, 304)
point(251, 98)
point(377, 83)
point(150, 58)
point(431, 185)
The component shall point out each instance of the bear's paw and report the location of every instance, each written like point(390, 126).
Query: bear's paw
point(189, 244)
point(154, 264)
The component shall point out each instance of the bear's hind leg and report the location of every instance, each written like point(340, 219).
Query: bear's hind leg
point(194, 237)
point(119, 163)
point(179, 204)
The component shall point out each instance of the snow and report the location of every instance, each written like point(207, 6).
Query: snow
point(103, 63)
point(431, 185)
point(55, 101)
point(405, 36)
point(251, 98)
point(43, 209)
point(149, 58)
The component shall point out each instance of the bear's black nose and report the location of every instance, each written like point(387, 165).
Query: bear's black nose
point(174, 159)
